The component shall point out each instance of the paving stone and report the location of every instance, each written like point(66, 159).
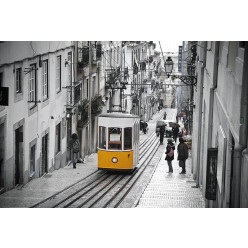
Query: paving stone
point(171, 190)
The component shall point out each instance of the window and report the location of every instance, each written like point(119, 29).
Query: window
point(87, 88)
point(58, 74)
point(114, 59)
point(69, 68)
point(127, 138)
point(57, 138)
point(32, 86)
point(233, 48)
point(117, 59)
point(45, 79)
point(32, 160)
point(102, 137)
point(93, 85)
point(114, 138)
point(18, 80)
point(110, 58)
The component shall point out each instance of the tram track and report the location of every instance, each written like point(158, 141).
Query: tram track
point(101, 189)
point(93, 184)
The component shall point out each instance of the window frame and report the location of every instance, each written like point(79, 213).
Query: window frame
point(58, 73)
point(124, 136)
point(18, 80)
point(32, 92)
point(114, 142)
point(100, 136)
point(45, 83)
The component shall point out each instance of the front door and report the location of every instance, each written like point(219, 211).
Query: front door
point(18, 156)
point(44, 163)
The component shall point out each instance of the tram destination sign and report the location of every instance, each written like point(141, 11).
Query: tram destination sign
point(4, 96)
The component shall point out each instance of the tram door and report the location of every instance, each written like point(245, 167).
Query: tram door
point(44, 163)
point(18, 155)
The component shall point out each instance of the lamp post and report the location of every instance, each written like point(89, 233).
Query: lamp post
point(190, 80)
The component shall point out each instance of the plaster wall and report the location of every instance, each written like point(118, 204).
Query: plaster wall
point(45, 115)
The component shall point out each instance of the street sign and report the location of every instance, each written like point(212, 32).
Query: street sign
point(4, 96)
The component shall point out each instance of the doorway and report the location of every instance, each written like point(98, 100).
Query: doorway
point(232, 173)
point(68, 134)
point(1, 156)
point(18, 177)
point(44, 156)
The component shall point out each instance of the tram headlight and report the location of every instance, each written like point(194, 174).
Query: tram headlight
point(114, 160)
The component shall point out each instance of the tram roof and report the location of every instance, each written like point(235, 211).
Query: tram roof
point(118, 115)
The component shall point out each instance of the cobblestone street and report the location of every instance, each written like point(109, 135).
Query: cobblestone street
point(171, 190)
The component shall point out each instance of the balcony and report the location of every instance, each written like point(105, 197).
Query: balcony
point(83, 57)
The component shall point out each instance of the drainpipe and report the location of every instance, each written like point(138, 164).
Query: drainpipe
point(89, 108)
point(198, 149)
point(211, 106)
point(239, 148)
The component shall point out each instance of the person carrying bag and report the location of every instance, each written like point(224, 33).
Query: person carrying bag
point(170, 154)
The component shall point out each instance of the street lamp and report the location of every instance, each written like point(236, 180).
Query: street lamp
point(186, 79)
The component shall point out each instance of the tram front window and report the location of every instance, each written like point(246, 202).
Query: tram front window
point(102, 137)
point(127, 138)
point(114, 138)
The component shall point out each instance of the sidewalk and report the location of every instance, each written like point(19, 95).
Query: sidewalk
point(41, 188)
point(171, 190)
point(51, 183)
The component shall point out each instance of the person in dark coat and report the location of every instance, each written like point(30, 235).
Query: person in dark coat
point(170, 154)
point(145, 127)
point(175, 131)
point(165, 115)
point(161, 132)
point(75, 147)
point(183, 154)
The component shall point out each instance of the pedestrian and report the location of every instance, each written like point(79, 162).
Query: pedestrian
point(182, 154)
point(165, 114)
point(170, 154)
point(145, 127)
point(161, 132)
point(175, 131)
point(75, 147)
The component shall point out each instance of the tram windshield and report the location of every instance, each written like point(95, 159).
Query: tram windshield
point(127, 138)
point(102, 137)
point(114, 138)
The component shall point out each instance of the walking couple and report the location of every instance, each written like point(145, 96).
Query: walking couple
point(182, 150)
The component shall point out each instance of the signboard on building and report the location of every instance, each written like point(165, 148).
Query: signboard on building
point(180, 59)
point(4, 96)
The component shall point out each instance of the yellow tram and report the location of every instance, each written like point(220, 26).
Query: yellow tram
point(118, 142)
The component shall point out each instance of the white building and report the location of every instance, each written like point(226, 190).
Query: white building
point(33, 127)
point(220, 122)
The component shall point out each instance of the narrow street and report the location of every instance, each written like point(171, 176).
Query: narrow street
point(155, 188)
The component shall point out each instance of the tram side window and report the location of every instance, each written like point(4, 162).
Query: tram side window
point(114, 138)
point(127, 138)
point(102, 137)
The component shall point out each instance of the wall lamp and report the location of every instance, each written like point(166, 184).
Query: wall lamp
point(186, 79)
